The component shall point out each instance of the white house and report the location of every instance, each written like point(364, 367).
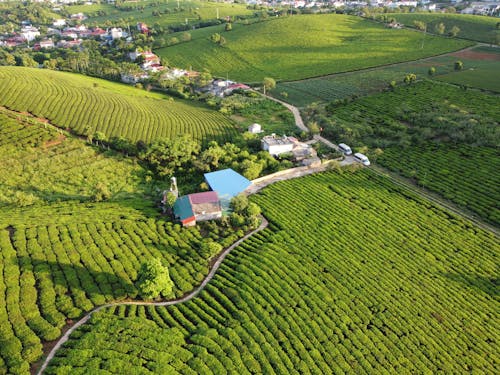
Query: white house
point(59, 22)
point(29, 33)
point(255, 129)
point(277, 145)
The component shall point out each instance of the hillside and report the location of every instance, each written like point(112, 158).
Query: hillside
point(76, 225)
point(87, 105)
point(480, 28)
point(341, 297)
point(325, 44)
point(443, 137)
point(480, 64)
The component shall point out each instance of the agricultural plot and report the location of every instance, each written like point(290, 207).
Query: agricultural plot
point(61, 255)
point(445, 137)
point(39, 165)
point(479, 28)
point(343, 297)
point(481, 64)
point(327, 44)
point(166, 13)
point(481, 67)
point(87, 105)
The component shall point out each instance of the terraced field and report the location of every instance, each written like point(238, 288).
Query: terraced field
point(480, 28)
point(86, 105)
point(326, 44)
point(61, 255)
point(192, 11)
point(444, 137)
point(343, 296)
point(480, 65)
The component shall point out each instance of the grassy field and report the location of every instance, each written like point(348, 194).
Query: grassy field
point(327, 44)
point(342, 297)
point(62, 252)
point(480, 28)
point(190, 11)
point(86, 105)
point(480, 67)
point(445, 137)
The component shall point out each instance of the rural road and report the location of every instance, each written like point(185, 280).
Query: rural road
point(183, 299)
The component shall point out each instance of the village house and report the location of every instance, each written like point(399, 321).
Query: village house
point(142, 28)
point(277, 145)
point(193, 208)
point(48, 43)
point(29, 33)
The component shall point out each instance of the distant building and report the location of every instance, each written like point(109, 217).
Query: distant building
point(29, 33)
point(59, 22)
point(192, 208)
point(255, 129)
point(142, 28)
point(277, 145)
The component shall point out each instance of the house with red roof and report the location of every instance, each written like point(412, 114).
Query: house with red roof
point(192, 208)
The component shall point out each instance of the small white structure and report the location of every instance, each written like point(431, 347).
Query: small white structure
point(255, 129)
point(117, 33)
point(59, 22)
point(29, 33)
point(277, 145)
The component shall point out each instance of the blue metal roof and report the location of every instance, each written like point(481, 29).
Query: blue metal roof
point(227, 183)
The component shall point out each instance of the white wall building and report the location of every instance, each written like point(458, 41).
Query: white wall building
point(277, 145)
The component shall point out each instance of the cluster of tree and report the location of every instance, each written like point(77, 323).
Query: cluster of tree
point(182, 155)
point(245, 214)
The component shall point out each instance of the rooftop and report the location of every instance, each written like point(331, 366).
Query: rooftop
point(227, 183)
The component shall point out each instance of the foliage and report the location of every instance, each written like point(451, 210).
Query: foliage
point(459, 65)
point(342, 297)
point(471, 26)
point(61, 254)
point(426, 116)
point(268, 83)
point(329, 43)
point(482, 61)
point(154, 280)
point(115, 110)
point(164, 156)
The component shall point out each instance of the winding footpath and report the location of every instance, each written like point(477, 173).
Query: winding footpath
point(183, 299)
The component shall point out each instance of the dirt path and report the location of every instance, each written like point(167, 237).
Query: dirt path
point(183, 299)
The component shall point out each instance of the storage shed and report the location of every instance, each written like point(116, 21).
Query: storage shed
point(227, 183)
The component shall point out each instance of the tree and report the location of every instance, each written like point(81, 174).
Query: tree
point(101, 192)
point(154, 280)
point(165, 155)
point(268, 84)
point(171, 198)
point(419, 25)
point(440, 28)
point(313, 127)
point(229, 26)
point(458, 65)
point(239, 203)
point(410, 78)
point(431, 71)
point(99, 137)
point(454, 31)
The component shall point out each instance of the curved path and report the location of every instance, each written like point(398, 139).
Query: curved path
point(183, 299)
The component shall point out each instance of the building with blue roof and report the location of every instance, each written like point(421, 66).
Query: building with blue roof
point(227, 183)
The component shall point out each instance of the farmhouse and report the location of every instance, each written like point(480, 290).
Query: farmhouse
point(192, 208)
point(277, 145)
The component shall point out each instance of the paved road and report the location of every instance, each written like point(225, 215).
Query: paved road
point(183, 299)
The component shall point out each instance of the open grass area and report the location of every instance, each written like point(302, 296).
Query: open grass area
point(354, 275)
point(480, 28)
point(326, 44)
point(62, 251)
point(446, 138)
point(142, 11)
point(481, 65)
point(87, 105)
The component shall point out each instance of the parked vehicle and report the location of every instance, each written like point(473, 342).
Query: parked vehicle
point(361, 158)
point(345, 149)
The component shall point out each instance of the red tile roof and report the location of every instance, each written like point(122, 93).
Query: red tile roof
point(206, 197)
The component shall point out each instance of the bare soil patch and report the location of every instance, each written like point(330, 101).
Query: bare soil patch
point(474, 55)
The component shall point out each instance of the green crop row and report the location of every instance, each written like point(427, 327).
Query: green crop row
point(445, 137)
point(327, 44)
point(88, 105)
point(323, 290)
